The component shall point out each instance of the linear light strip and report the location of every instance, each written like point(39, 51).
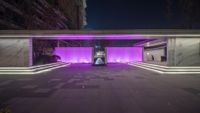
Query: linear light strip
point(51, 69)
point(160, 72)
point(161, 69)
point(29, 70)
point(42, 68)
point(171, 67)
point(32, 67)
point(171, 70)
point(100, 36)
point(164, 69)
point(47, 64)
point(148, 69)
point(167, 72)
point(181, 72)
point(29, 73)
point(150, 64)
point(37, 72)
point(197, 67)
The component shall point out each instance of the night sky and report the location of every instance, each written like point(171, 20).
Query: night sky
point(128, 14)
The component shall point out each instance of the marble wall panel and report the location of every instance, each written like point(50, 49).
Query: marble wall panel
point(184, 52)
point(15, 52)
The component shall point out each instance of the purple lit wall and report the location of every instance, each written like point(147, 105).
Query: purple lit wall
point(123, 54)
point(74, 54)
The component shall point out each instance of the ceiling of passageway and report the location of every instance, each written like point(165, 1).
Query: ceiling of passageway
point(93, 37)
point(89, 43)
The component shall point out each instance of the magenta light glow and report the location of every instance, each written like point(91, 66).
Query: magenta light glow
point(74, 54)
point(93, 36)
point(123, 54)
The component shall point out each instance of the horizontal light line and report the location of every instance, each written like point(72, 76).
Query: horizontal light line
point(160, 72)
point(161, 69)
point(16, 73)
point(171, 69)
point(181, 72)
point(150, 64)
point(51, 69)
point(29, 70)
point(100, 35)
point(149, 69)
point(166, 71)
point(37, 72)
point(32, 67)
point(46, 65)
point(178, 67)
point(41, 68)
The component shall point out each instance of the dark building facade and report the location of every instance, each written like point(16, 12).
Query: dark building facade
point(42, 14)
point(75, 12)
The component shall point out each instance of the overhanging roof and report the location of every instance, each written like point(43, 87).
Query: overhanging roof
point(100, 34)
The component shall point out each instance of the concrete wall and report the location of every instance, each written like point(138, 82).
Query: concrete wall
point(15, 52)
point(183, 51)
point(156, 53)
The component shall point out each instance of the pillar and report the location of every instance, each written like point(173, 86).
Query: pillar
point(15, 52)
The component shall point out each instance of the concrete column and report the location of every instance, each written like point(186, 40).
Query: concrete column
point(15, 52)
point(30, 51)
point(143, 54)
point(171, 42)
point(183, 51)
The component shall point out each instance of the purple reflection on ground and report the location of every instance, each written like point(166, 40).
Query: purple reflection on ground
point(123, 54)
point(74, 54)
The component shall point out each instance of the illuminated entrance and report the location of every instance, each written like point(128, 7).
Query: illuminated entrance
point(99, 55)
point(163, 47)
point(96, 49)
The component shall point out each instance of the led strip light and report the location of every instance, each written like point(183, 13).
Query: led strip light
point(171, 67)
point(100, 35)
point(32, 67)
point(167, 70)
point(31, 70)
